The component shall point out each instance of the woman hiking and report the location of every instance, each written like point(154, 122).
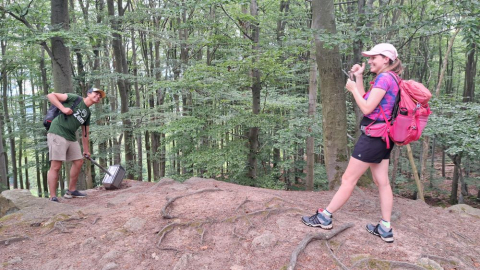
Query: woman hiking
point(369, 152)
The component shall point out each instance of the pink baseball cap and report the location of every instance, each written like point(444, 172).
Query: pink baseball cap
point(385, 49)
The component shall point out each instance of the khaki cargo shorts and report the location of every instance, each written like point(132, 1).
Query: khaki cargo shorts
point(62, 149)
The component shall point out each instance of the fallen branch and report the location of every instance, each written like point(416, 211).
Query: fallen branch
point(311, 237)
point(8, 241)
point(165, 215)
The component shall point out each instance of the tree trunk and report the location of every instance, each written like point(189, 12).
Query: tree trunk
point(123, 84)
point(396, 155)
point(443, 163)
point(23, 134)
point(9, 124)
point(453, 195)
point(45, 87)
point(332, 94)
point(4, 183)
point(425, 150)
point(357, 54)
point(432, 166)
point(312, 108)
point(60, 56)
point(139, 142)
point(61, 68)
point(281, 23)
point(160, 95)
point(256, 90)
point(102, 147)
point(445, 61)
point(470, 71)
point(415, 173)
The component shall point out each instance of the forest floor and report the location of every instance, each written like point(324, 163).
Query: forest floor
point(209, 224)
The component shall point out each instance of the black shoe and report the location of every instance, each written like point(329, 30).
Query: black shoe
point(318, 220)
point(378, 230)
point(53, 199)
point(74, 194)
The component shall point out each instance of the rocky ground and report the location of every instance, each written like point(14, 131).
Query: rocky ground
point(208, 224)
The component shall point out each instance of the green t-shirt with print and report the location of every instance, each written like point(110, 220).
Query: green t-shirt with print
point(67, 126)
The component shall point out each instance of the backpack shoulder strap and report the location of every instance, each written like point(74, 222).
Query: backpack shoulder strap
point(397, 97)
point(75, 103)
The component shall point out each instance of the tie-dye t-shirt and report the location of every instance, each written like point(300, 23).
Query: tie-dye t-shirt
point(386, 82)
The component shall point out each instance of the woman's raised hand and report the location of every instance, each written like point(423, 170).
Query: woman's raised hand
point(357, 70)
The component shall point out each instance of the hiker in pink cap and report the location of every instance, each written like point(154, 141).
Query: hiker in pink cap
point(369, 152)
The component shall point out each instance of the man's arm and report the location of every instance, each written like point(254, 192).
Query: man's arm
point(57, 99)
point(86, 140)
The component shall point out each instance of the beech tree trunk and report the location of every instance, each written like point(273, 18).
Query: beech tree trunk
point(312, 108)
point(470, 71)
point(4, 183)
point(256, 90)
point(332, 93)
point(425, 150)
point(456, 176)
point(61, 67)
point(123, 84)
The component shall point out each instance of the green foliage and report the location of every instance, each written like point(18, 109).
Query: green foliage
point(206, 111)
point(456, 127)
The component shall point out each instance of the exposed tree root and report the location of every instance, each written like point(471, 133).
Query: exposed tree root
point(58, 226)
point(391, 264)
point(449, 260)
point(335, 257)
point(167, 229)
point(267, 212)
point(165, 215)
point(311, 237)
point(9, 241)
point(267, 204)
point(95, 221)
point(244, 202)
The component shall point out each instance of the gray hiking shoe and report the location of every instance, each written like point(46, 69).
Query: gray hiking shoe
point(378, 230)
point(74, 194)
point(318, 220)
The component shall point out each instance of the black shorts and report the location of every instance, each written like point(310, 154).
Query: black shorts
point(371, 149)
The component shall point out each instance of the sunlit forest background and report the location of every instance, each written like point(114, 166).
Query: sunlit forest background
point(236, 90)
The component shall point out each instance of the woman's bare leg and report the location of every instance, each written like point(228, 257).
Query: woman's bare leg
point(380, 175)
point(354, 171)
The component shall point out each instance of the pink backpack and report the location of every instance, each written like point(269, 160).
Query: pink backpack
point(410, 114)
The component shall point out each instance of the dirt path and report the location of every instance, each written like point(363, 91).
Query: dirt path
point(208, 224)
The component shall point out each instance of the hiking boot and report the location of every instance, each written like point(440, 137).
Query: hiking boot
point(74, 194)
point(53, 199)
point(378, 230)
point(318, 220)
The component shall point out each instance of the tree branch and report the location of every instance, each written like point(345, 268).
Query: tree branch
point(239, 27)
